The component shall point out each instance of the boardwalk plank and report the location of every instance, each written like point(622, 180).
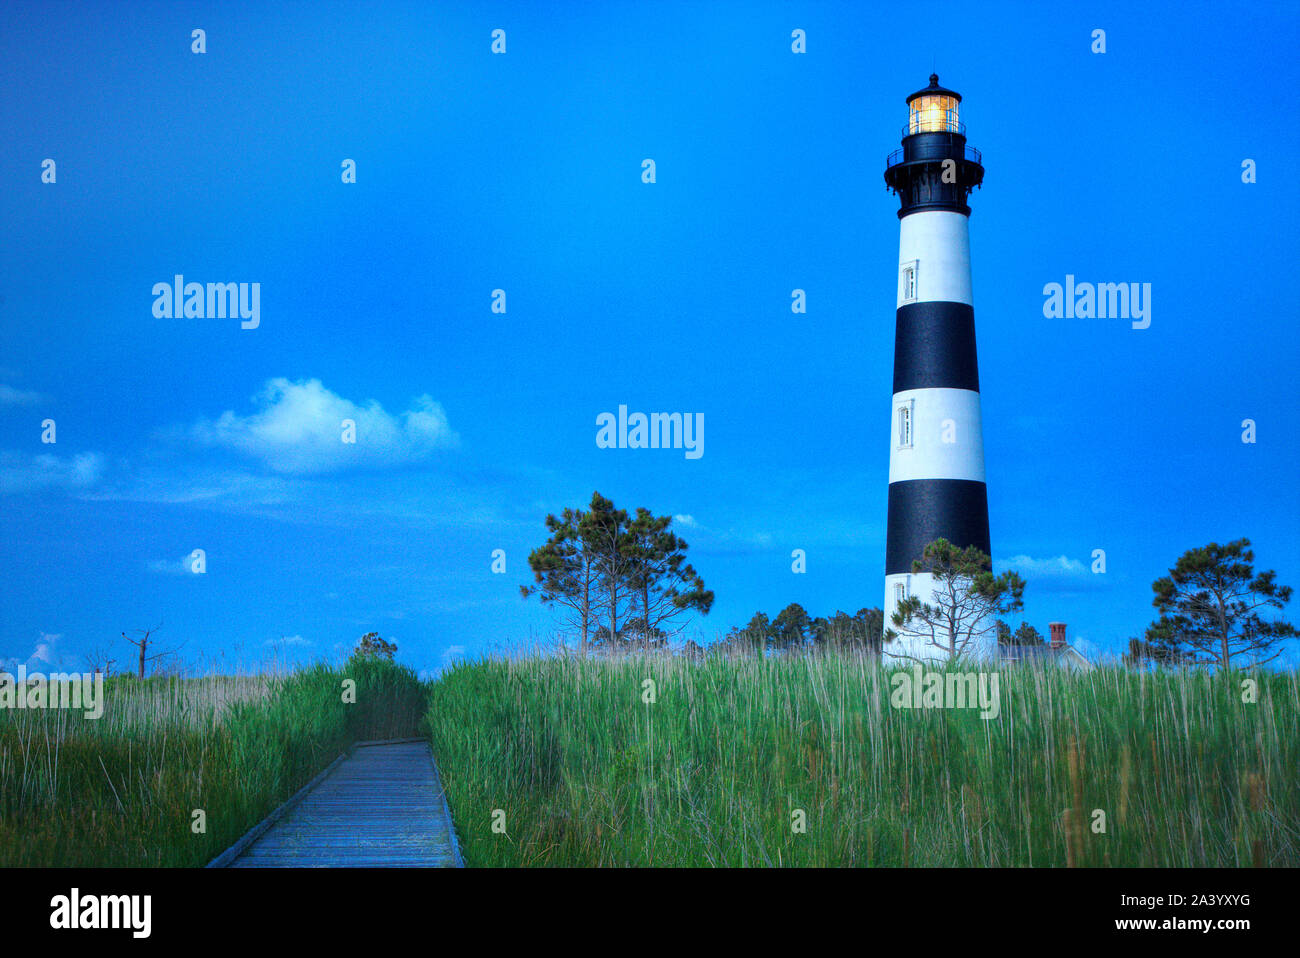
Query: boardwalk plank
point(382, 806)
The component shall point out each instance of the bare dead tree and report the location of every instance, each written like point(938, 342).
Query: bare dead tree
point(142, 642)
point(97, 660)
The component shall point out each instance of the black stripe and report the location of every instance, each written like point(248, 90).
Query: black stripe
point(934, 346)
point(922, 510)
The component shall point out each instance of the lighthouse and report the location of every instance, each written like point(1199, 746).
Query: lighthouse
point(936, 450)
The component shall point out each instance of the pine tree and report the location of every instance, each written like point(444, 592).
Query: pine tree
point(1157, 647)
point(1210, 605)
point(564, 573)
point(663, 584)
point(1025, 634)
point(603, 530)
point(620, 581)
point(966, 601)
point(371, 646)
point(848, 633)
point(752, 639)
point(791, 629)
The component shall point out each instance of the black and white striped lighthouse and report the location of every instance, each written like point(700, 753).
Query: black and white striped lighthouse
point(936, 450)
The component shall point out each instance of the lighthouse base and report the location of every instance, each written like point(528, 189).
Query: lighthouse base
point(914, 642)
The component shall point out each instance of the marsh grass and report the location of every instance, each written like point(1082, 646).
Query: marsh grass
point(121, 790)
point(587, 773)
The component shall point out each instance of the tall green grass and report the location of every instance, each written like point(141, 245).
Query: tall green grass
point(121, 790)
point(710, 774)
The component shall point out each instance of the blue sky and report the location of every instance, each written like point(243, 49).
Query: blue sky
point(522, 172)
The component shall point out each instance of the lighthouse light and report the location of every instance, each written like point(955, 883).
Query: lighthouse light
point(933, 114)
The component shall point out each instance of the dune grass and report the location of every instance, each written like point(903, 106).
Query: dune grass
point(121, 790)
point(716, 771)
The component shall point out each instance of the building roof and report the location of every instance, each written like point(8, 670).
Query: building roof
point(935, 90)
point(1042, 653)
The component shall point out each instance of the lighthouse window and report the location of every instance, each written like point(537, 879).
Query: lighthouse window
point(907, 282)
point(905, 425)
point(900, 592)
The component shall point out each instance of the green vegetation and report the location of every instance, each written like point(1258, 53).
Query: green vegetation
point(121, 790)
point(372, 645)
point(709, 773)
point(1024, 635)
point(683, 761)
point(1210, 605)
point(795, 631)
point(620, 582)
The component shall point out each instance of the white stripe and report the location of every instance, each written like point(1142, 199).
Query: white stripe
point(939, 242)
point(938, 415)
point(907, 646)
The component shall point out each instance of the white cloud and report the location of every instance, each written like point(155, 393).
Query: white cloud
point(20, 472)
point(1059, 575)
point(729, 541)
point(181, 566)
point(1060, 567)
point(44, 658)
point(1090, 650)
point(45, 650)
point(195, 485)
point(290, 640)
point(451, 653)
point(728, 537)
point(297, 429)
point(18, 397)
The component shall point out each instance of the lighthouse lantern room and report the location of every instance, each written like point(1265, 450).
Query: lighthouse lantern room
point(934, 109)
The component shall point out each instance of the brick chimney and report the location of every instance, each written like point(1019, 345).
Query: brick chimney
point(1058, 634)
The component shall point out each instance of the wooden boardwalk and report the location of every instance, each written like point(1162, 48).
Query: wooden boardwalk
point(382, 805)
